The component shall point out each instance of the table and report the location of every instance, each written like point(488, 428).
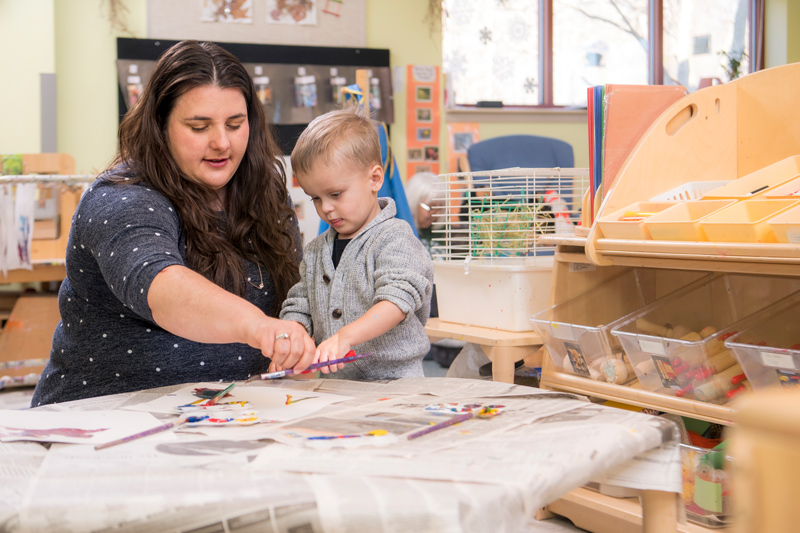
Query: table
point(481, 475)
point(503, 348)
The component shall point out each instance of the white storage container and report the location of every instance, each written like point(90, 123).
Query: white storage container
point(499, 294)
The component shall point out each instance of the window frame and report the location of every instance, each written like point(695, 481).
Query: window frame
point(655, 53)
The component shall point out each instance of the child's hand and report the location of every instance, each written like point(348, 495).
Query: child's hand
point(333, 348)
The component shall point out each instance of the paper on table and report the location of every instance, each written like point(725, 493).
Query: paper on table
point(271, 403)
point(72, 427)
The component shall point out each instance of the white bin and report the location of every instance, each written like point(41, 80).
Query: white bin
point(502, 295)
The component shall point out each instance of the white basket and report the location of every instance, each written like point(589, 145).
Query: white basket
point(493, 295)
point(692, 190)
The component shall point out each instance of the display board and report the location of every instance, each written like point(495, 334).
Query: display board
point(295, 83)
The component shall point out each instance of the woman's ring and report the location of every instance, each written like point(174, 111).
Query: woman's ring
point(281, 336)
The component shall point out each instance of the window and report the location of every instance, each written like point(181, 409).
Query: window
point(503, 49)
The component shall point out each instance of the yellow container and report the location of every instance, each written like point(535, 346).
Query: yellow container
point(680, 222)
point(759, 182)
point(790, 190)
point(614, 225)
point(786, 226)
point(745, 221)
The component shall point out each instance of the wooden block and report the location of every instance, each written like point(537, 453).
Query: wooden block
point(28, 334)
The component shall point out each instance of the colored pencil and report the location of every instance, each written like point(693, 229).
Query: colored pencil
point(455, 420)
point(221, 394)
point(158, 429)
point(315, 366)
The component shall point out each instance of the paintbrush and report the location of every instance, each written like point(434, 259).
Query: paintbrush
point(152, 431)
point(486, 411)
point(218, 396)
point(315, 366)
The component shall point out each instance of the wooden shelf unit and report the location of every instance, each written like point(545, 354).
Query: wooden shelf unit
point(719, 133)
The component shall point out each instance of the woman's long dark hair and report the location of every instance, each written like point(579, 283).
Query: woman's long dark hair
point(257, 213)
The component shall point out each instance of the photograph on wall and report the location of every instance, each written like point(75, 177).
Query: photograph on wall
point(298, 12)
point(460, 136)
point(424, 114)
point(432, 153)
point(424, 94)
point(415, 154)
point(240, 11)
point(424, 134)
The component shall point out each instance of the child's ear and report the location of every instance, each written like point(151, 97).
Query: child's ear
point(376, 178)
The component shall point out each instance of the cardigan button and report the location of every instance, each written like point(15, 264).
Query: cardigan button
point(337, 313)
point(326, 278)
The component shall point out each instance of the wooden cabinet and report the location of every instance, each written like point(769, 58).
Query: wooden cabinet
point(715, 134)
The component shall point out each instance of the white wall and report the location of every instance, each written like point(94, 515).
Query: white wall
point(26, 51)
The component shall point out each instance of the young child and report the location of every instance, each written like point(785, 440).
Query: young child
point(365, 283)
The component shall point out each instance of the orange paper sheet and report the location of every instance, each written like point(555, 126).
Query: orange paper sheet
point(629, 112)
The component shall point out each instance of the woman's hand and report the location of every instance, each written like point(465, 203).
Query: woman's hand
point(287, 343)
point(333, 348)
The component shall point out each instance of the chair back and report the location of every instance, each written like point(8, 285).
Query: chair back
point(527, 151)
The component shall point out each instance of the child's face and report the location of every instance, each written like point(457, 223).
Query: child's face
point(345, 195)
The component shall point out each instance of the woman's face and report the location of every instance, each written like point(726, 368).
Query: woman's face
point(207, 134)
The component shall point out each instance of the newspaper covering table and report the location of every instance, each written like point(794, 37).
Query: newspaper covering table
point(480, 475)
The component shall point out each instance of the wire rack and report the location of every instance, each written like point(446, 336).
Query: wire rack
point(498, 214)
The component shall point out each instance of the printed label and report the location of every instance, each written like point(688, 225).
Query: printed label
point(651, 347)
point(562, 331)
point(665, 371)
point(576, 359)
point(788, 379)
point(793, 236)
point(778, 360)
point(582, 267)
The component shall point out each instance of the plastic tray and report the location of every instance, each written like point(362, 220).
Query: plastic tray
point(581, 343)
point(745, 221)
point(788, 190)
point(676, 344)
point(768, 346)
point(614, 228)
point(681, 221)
point(759, 182)
point(786, 226)
point(693, 190)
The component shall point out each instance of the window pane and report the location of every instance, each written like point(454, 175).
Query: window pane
point(702, 38)
point(597, 42)
point(490, 50)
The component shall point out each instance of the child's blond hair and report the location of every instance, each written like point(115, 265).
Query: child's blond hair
point(335, 137)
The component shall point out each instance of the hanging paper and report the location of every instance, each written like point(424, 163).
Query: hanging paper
point(292, 12)
point(240, 11)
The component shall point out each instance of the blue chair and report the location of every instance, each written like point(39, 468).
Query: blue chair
point(530, 151)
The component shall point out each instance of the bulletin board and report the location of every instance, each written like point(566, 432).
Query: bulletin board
point(326, 22)
point(301, 81)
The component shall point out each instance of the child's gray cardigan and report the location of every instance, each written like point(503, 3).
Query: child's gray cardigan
point(383, 262)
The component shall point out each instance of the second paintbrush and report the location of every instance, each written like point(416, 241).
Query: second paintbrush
point(315, 366)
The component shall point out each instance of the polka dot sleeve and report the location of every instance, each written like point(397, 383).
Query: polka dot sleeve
point(132, 233)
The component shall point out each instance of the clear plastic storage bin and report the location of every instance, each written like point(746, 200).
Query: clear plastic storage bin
point(676, 345)
point(706, 487)
point(579, 342)
point(768, 346)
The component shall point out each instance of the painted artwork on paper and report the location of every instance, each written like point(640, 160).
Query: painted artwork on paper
point(240, 11)
point(298, 12)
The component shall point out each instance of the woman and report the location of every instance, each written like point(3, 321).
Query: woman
point(182, 251)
